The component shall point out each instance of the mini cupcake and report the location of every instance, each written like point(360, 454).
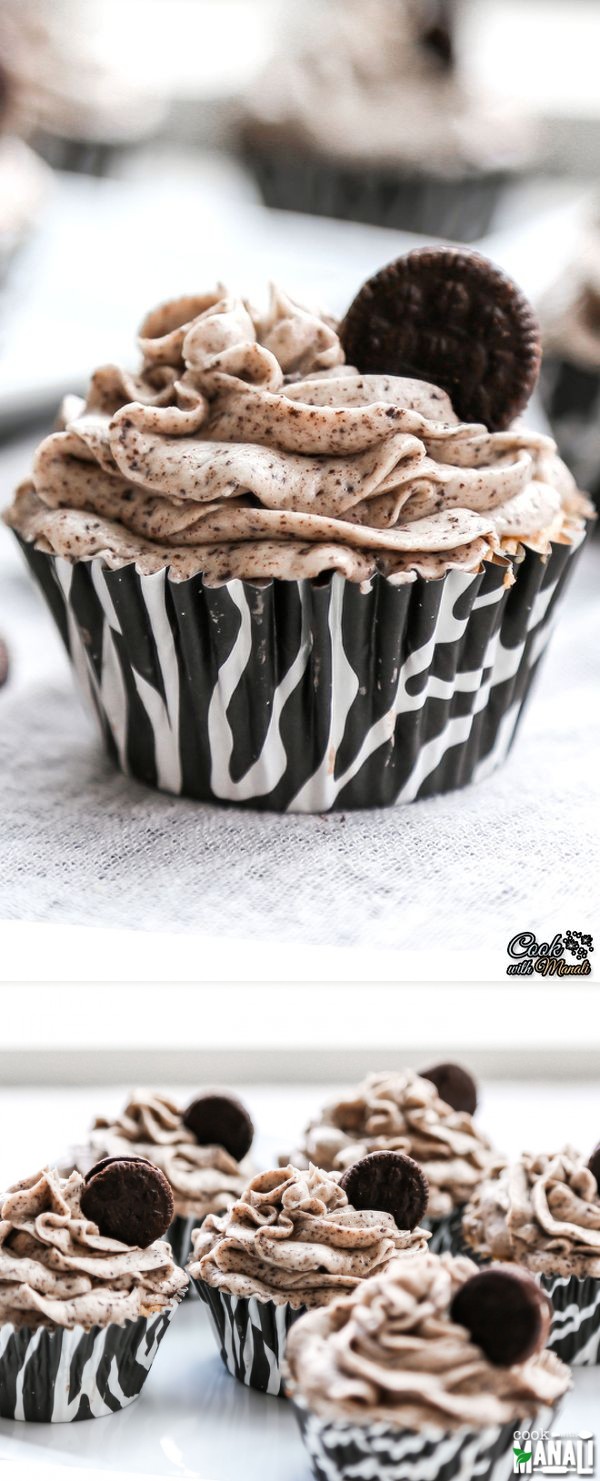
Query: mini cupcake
point(428, 1116)
point(570, 380)
point(429, 1370)
point(364, 113)
point(294, 1241)
point(290, 571)
point(543, 1213)
point(87, 1289)
point(202, 1151)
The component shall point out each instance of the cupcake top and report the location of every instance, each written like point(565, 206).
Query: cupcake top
point(543, 1212)
point(294, 1237)
point(369, 82)
point(402, 1111)
point(205, 1177)
point(250, 446)
point(58, 1270)
point(393, 1351)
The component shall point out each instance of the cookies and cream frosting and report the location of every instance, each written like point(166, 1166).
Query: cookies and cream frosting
point(246, 447)
point(293, 1237)
point(401, 1112)
point(391, 1352)
point(56, 1269)
point(542, 1212)
point(204, 1179)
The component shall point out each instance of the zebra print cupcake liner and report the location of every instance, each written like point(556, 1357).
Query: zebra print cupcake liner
point(251, 1336)
point(445, 1233)
point(306, 696)
point(56, 1375)
point(575, 1332)
point(571, 399)
point(340, 1449)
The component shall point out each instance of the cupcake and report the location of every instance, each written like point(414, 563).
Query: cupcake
point(202, 1151)
point(294, 1241)
point(428, 1116)
point(431, 1369)
point(365, 114)
point(570, 380)
point(87, 1289)
point(290, 571)
point(543, 1213)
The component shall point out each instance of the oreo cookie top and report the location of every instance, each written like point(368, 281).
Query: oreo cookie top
point(506, 1312)
point(449, 316)
point(594, 1164)
point(215, 1118)
point(390, 1182)
point(129, 1199)
point(4, 663)
point(454, 1085)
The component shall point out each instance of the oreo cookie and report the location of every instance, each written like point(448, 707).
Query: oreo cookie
point(507, 1314)
point(390, 1182)
point(129, 1199)
point(220, 1120)
point(454, 1085)
point(450, 317)
point(4, 662)
point(594, 1164)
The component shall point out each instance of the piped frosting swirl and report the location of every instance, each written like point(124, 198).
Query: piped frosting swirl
point(543, 1212)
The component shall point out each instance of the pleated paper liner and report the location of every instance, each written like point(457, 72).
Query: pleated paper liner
point(459, 208)
point(445, 1232)
point(571, 398)
point(343, 1449)
point(306, 696)
point(251, 1336)
point(55, 1374)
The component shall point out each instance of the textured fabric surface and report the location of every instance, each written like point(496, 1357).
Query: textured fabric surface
point(81, 844)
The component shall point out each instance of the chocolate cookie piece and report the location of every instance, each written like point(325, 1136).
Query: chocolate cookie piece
point(454, 1085)
point(594, 1164)
point(390, 1182)
point(129, 1199)
point(220, 1120)
point(4, 663)
point(448, 316)
point(506, 1312)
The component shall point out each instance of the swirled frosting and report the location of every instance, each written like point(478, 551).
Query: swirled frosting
point(391, 1352)
point(293, 1237)
point(56, 1269)
point(401, 1112)
point(246, 447)
point(542, 1212)
point(204, 1179)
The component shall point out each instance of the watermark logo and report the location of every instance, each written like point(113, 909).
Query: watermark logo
point(536, 1453)
point(567, 955)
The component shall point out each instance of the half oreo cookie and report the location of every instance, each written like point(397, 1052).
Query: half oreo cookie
point(129, 1199)
point(4, 662)
point(220, 1120)
point(506, 1312)
point(390, 1182)
point(594, 1164)
point(454, 1085)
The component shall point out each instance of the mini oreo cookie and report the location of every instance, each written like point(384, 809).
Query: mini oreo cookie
point(507, 1313)
point(220, 1120)
point(594, 1164)
point(390, 1182)
point(454, 1085)
point(129, 1199)
point(450, 317)
point(4, 662)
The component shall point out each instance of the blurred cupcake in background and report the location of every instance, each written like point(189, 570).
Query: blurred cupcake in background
point(430, 1369)
point(398, 1110)
point(363, 113)
point(294, 1241)
point(570, 375)
point(24, 179)
point(88, 1288)
point(202, 1149)
point(543, 1213)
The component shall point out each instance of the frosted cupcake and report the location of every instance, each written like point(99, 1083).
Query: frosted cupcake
point(570, 381)
point(202, 1150)
point(303, 565)
point(543, 1213)
point(429, 1370)
point(87, 1290)
point(405, 1112)
point(294, 1241)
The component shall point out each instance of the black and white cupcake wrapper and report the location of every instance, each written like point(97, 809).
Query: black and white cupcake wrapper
point(340, 1450)
point(251, 1336)
point(306, 696)
point(445, 1232)
point(55, 1375)
point(575, 1332)
point(571, 398)
point(460, 209)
